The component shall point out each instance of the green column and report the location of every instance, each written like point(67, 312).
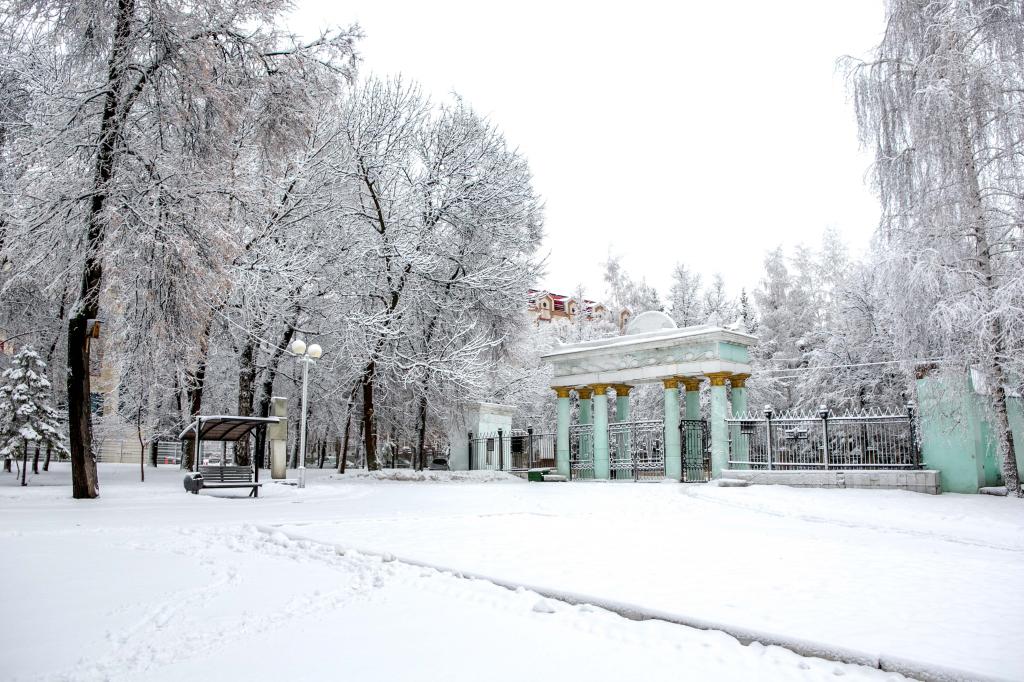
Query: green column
point(719, 432)
point(692, 385)
point(586, 417)
point(601, 431)
point(740, 444)
point(692, 445)
point(562, 438)
point(622, 415)
point(622, 402)
point(673, 451)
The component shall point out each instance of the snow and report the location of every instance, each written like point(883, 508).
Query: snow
point(149, 582)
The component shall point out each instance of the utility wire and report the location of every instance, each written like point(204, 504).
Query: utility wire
point(857, 364)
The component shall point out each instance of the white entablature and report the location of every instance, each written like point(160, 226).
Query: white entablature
point(653, 352)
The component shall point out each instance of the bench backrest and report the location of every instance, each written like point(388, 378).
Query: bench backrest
point(226, 474)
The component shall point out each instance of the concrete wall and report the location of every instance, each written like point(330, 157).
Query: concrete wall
point(882, 479)
point(957, 437)
point(480, 418)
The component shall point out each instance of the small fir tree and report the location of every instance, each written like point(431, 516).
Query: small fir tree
point(26, 415)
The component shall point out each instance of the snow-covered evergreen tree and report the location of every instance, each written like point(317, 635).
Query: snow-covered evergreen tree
point(685, 296)
point(27, 418)
point(717, 307)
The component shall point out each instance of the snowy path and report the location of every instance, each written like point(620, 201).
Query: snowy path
point(885, 572)
point(150, 583)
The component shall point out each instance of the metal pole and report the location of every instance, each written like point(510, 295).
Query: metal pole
point(501, 451)
point(196, 450)
point(768, 418)
point(914, 449)
point(302, 427)
point(469, 452)
point(823, 413)
point(529, 447)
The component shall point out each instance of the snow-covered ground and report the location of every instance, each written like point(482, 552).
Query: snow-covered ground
point(151, 583)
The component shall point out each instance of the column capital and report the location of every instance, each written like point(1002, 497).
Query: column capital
point(621, 389)
point(691, 383)
point(600, 389)
point(562, 391)
point(739, 380)
point(585, 392)
point(718, 378)
point(670, 383)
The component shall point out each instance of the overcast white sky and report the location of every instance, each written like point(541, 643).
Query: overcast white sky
point(705, 133)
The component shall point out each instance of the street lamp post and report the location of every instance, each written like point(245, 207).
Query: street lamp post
point(307, 356)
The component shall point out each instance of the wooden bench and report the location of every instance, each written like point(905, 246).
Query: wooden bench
point(216, 476)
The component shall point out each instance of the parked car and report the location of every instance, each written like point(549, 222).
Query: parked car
point(439, 464)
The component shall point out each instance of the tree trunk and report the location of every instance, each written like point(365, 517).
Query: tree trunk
point(343, 457)
point(246, 389)
point(195, 381)
point(422, 435)
point(142, 446)
point(35, 461)
point(994, 337)
point(49, 451)
point(84, 481)
point(360, 439)
point(369, 426)
point(7, 464)
point(268, 389)
point(295, 448)
point(24, 461)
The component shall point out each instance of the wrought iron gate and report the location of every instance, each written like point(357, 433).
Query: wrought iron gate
point(636, 450)
point(581, 451)
point(695, 439)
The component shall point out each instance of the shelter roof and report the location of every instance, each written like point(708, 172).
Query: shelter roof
point(225, 427)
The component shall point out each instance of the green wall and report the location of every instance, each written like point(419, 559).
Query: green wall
point(956, 437)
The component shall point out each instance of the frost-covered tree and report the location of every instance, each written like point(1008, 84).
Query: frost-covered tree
point(136, 120)
point(941, 103)
point(717, 307)
point(685, 297)
point(747, 316)
point(623, 291)
point(27, 416)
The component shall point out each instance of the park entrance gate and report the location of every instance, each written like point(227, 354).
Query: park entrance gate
point(636, 451)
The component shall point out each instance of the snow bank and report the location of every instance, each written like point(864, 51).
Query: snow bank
point(431, 476)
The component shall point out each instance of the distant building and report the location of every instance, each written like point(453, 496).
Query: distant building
point(546, 306)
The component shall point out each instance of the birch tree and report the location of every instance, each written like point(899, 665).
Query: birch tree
point(941, 103)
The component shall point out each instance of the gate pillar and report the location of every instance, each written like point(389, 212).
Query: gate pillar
point(719, 429)
point(601, 468)
point(562, 436)
point(622, 402)
point(586, 416)
point(740, 445)
point(673, 451)
point(692, 385)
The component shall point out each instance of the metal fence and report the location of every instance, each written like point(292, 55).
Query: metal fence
point(787, 441)
point(515, 451)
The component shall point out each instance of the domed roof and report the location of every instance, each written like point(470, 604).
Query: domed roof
point(650, 321)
